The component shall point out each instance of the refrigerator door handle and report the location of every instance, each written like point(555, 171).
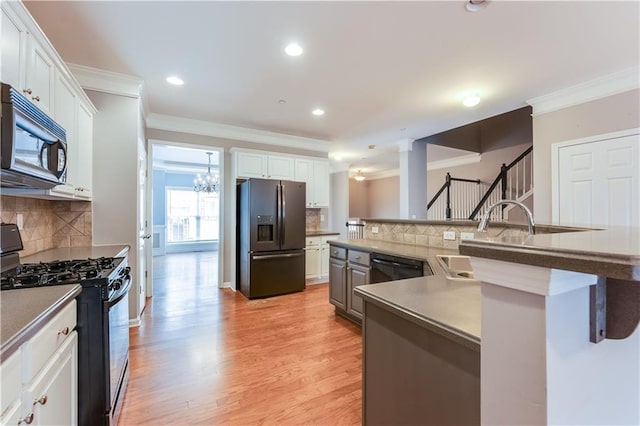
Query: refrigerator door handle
point(278, 214)
point(284, 214)
point(276, 256)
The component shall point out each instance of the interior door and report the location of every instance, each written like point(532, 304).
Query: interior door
point(599, 183)
point(144, 235)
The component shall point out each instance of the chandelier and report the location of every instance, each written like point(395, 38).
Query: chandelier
point(359, 176)
point(207, 183)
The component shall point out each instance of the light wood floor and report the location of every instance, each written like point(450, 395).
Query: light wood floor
point(209, 356)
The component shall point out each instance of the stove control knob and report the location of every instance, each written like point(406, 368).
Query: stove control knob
point(117, 284)
point(127, 270)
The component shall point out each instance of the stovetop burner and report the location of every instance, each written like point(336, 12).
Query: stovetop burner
point(55, 273)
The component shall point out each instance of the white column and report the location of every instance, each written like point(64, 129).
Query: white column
point(537, 363)
point(413, 179)
point(339, 212)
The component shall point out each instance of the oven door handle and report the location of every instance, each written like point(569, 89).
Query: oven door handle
point(126, 285)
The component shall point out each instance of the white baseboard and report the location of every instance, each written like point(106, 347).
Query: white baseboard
point(227, 284)
point(134, 322)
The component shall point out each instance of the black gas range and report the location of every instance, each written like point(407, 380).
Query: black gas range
point(109, 273)
point(102, 320)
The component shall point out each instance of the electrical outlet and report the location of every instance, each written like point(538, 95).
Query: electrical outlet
point(466, 235)
point(321, 218)
point(374, 229)
point(19, 221)
point(449, 235)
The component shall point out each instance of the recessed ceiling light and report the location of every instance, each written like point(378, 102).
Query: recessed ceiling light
point(177, 81)
point(471, 100)
point(293, 49)
point(282, 101)
point(475, 5)
point(317, 111)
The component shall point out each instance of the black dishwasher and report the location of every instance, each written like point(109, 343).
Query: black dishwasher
point(385, 267)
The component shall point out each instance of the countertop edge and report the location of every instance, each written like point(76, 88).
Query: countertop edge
point(351, 244)
point(470, 341)
point(28, 331)
point(320, 233)
point(612, 266)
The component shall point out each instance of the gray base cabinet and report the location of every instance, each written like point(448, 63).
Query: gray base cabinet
point(347, 270)
point(338, 283)
point(414, 376)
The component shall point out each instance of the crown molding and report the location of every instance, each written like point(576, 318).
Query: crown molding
point(225, 131)
point(108, 81)
point(384, 174)
point(601, 87)
point(337, 167)
point(454, 162)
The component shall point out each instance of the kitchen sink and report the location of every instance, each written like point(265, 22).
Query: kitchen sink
point(456, 267)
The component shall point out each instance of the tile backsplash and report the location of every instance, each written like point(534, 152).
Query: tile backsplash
point(47, 223)
point(432, 234)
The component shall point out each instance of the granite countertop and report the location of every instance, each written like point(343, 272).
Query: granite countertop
point(320, 233)
point(613, 253)
point(69, 253)
point(25, 311)
point(450, 308)
point(397, 249)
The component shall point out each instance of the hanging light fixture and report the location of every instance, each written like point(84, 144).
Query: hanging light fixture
point(359, 176)
point(207, 183)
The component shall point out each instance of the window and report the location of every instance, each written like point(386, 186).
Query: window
point(192, 216)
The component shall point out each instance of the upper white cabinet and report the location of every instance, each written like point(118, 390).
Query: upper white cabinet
point(316, 175)
point(39, 78)
point(13, 49)
point(258, 165)
point(30, 64)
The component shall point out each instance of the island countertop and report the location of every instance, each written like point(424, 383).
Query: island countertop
point(398, 249)
point(613, 253)
point(25, 311)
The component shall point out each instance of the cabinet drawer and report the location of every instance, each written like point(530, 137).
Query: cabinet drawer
point(312, 241)
point(10, 372)
point(361, 257)
point(338, 252)
point(39, 349)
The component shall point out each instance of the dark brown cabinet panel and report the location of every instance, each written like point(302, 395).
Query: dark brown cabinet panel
point(357, 275)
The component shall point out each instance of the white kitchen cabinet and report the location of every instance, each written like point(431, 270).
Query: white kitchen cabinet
point(324, 254)
point(13, 49)
point(40, 379)
point(66, 108)
point(315, 173)
point(280, 167)
point(82, 172)
point(53, 394)
point(251, 165)
point(39, 79)
point(258, 165)
point(312, 257)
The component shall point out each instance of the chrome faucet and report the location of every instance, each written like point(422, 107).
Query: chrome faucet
point(482, 227)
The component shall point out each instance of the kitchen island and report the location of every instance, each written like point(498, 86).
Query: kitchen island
point(560, 337)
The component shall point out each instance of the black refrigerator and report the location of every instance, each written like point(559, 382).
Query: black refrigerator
point(271, 237)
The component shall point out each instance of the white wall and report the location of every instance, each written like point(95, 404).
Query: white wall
point(605, 115)
point(115, 177)
point(339, 202)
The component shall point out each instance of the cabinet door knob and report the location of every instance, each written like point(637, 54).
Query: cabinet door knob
point(42, 401)
point(36, 98)
point(27, 91)
point(28, 419)
point(64, 331)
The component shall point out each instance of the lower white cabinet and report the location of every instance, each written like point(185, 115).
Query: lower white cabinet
point(40, 379)
point(317, 256)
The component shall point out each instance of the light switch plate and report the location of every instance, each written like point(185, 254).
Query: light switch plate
point(321, 218)
point(19, 221)
point(449, 235)
point(374, 229)
point(466, 235)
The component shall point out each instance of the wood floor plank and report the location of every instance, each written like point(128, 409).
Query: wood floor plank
point(205, 355)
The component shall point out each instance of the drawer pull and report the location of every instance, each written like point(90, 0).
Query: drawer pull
point(64, 331)
point(42, 401)
point(28, 419)
point(357, 257)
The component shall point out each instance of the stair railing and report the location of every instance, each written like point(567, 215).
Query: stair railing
point(515, 181)
point(460, 195)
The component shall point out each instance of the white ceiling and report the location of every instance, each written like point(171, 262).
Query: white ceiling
point(375, 67)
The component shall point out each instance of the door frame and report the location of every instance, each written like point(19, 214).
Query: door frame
point(221, 215)
point(555, 163)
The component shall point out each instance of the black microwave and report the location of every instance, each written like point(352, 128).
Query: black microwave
point(33, 148)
